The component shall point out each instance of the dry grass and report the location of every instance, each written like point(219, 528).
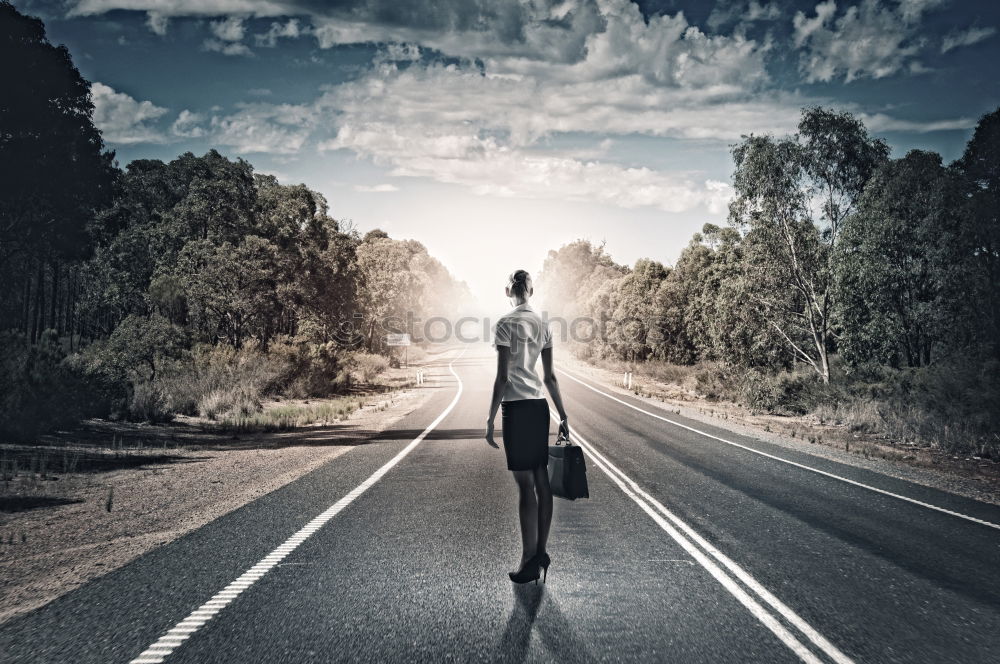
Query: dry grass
point(283, 417)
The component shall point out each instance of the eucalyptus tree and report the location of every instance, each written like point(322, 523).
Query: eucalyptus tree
point(904, 266)
point(792, 196)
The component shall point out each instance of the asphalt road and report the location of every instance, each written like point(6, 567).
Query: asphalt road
point(690, 549)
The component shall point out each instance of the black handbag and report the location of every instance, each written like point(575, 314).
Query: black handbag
point(567, 470)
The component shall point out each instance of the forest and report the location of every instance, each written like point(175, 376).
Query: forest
point(194, 286)
point(846, 283)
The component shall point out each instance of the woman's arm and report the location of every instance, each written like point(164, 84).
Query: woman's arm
point(552, 384)
point(499, 384)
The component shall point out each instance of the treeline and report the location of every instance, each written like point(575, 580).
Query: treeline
point(194, 285)
point(842, 274)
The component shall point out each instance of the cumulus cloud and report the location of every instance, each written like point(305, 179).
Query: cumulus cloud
point(227, 37)
point(968, 37)
point(124, 120)
point(188, 125)
point(869, 40)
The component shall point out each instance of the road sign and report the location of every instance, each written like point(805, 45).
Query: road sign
point(397, 339)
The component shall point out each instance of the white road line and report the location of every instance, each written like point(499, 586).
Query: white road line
point(173, 638)
point(650, 505)
point(982, 522)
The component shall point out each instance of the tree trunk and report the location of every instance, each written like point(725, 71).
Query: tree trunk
point(26, 307)
point(53, 306)
point(36, 314)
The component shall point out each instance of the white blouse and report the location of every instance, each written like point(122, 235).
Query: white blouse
point(526, 334)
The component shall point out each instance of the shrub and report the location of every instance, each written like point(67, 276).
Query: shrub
point(368, 366)
point(233, 403)
point(41, 390)
point(309, 369)
point(783, 392)
point(148, 403)
point(216, 380)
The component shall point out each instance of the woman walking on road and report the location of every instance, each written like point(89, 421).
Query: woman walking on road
point(520, 336)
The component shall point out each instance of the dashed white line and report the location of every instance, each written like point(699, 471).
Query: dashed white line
point(173, 638)
point(914, 501)
point(657, 511)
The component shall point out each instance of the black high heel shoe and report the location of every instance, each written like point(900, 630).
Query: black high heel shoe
point(543, 562)
point(528, 572)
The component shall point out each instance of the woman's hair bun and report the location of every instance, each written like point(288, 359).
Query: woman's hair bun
point(519, 282)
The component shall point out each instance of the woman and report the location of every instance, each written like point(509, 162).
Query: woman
point(520, 336)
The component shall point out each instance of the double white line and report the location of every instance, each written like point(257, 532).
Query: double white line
point(764, 606)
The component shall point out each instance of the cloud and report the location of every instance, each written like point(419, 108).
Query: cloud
point(376, 189)
point(469, 28)
point(968, 37)
point(272, 128)
point(157, 22)
point(124, 120)
point(226, 48)
point(188, 125)
point(522, 73)
point(877, 122)
point(289, 30)
point(228, 37)
point(868, 40)
point(743, 13)
point(488, 167)
point(230, 29)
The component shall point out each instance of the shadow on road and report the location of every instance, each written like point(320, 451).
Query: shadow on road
point(538, 610)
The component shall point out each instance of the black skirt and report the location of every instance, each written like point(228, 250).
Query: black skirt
point(525, 425)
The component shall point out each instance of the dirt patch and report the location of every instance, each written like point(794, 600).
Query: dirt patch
point(89, 506)
point(971, 477)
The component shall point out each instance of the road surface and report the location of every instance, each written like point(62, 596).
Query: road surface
point(697, 545)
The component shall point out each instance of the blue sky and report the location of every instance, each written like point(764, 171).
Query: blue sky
point(495, 130)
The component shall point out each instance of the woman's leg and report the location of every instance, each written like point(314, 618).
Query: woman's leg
point(544, 493)
point(527, 509)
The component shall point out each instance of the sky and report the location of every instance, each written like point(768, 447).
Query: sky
point(496, 130)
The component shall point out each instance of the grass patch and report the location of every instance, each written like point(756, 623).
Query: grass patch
point(284, 417)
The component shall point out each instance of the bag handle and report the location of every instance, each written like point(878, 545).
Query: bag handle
point(563, 440)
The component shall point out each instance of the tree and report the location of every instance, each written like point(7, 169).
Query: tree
point(980, 169)
point(231, 291)
point(792, 196)
point(902, 266)
point(634, 330)
point(54, 173)
point(571, 274)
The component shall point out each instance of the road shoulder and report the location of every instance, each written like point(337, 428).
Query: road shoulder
point(977, 480)
point(109, 519)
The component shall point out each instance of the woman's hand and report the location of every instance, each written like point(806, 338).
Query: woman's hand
point(563, 429)
point(489, 434)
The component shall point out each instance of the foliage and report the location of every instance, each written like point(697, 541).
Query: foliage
point(39, 390)
point(902, 272)
point(792, 196)
point(368, 366)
